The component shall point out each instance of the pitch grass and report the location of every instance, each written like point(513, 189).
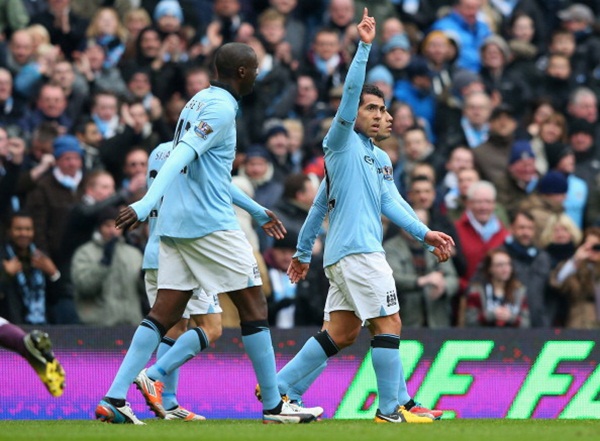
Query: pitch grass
point(326, 430)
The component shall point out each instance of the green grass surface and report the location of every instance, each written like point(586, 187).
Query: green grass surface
point(327, 430)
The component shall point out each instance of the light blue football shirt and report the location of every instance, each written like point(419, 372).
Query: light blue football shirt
point(318, 210)
point(155, 162)
point(356, 193)
point(205, 140)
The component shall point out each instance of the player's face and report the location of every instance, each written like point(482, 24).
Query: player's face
point(385, 128)
point(370, 114)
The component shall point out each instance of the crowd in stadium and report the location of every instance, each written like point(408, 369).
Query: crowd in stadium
point(495, 141)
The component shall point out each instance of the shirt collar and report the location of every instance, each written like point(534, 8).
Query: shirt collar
point(227, 87)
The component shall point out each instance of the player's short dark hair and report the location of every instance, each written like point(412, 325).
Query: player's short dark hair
point(370, 89)
point(230, 57)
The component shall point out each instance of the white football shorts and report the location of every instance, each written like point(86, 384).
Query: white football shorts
point(362, 283)
point(220, 262)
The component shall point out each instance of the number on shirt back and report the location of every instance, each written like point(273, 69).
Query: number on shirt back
point(178, 134)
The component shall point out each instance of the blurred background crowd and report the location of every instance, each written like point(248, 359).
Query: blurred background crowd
point(495, 141)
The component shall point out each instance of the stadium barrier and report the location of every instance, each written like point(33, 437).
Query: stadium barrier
point(469, 373)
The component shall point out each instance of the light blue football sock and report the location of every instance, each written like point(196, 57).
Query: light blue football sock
point(403, 396)
point(298, 389)
point(171, 380)
point(313, 354)
point(145, 340)
point(186, 347)
point(386, 363)
point(256, 337)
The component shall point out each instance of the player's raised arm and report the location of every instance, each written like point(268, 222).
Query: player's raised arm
point(343, 121)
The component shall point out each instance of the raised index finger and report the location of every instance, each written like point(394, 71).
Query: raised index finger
point(365, 13)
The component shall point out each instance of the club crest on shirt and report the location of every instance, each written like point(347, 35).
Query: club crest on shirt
point(203, 129)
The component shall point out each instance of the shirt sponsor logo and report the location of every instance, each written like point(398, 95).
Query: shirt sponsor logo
point(203, 129)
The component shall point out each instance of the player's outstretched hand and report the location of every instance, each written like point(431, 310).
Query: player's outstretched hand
point(126, 219)
point(441, 255)
point(440, 240)
point(366, 27)
point(274, 227)
point(297, 270)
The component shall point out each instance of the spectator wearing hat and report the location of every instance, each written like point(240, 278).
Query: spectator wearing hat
point(520, 177)
point(491, 157)
point(497, 76)
point(258, 169)
point(396, 56)
point(470, 30)
point(106, 276)
point(66, 28)
point(168, 17)
point(579, 19)
point(49, 204)
point(562, 159)
point(381, 77)
point(547, 200)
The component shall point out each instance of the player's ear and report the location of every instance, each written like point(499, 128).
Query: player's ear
point(242, 71)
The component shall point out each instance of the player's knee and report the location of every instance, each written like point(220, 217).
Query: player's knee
point(214, 332)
